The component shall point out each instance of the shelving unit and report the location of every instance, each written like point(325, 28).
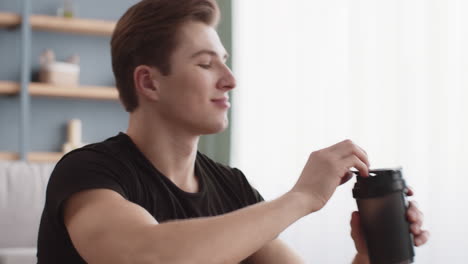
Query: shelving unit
point(9, 88)
point(72, 25)
point(26, 22)
point(33, 156)
point(81, 92)
point(43, 89)
point(9, 20)
point(60, 24)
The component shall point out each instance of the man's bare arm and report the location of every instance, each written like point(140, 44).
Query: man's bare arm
point(275, 252)
point(106, 228)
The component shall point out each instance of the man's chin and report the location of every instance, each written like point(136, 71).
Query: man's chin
point(215, 128)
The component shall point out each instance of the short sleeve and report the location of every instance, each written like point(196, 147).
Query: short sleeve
point(251, 194)
point(82, 170)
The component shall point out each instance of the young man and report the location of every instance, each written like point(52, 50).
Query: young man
point(148, 196)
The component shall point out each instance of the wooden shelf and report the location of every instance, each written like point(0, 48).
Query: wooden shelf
point(33, 156)
point(9, 88)
point(73, 25)
point(9, 156)
point(65, 25)
point(61, 24)
point(45, 156)
point(9, 20)
point(83, 92)
point(44, 89)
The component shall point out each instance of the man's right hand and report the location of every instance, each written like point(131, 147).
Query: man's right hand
point(326, 169)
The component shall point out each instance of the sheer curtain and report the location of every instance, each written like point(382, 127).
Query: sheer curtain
point(390, 75)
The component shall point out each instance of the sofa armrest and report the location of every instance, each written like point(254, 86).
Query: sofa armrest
point(18, 256)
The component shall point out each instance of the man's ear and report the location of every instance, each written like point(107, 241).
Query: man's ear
point(146, 81)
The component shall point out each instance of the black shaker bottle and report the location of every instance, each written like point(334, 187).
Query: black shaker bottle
point(382, 205)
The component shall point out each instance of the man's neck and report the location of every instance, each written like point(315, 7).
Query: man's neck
point(170, 150)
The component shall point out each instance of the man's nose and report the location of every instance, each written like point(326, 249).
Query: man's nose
point(228, 81)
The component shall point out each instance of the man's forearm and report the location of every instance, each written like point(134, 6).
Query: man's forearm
point(361, 259)
point(227, 238)
point(275, 252)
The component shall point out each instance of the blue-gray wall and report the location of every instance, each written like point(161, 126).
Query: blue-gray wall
point(218, 146)
point(48, 116)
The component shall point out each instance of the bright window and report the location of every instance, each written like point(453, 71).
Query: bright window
point(390, 75)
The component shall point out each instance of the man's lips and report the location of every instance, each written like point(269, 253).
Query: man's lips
point(222, 102)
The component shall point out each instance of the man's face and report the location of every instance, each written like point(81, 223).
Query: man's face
point(194, 96)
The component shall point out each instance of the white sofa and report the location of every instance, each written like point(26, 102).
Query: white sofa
point(22, 197)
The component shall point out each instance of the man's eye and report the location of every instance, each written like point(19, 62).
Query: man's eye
point(205, 66)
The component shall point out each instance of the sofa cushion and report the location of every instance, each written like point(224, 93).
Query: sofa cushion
point(22, 197)
point(18, 256)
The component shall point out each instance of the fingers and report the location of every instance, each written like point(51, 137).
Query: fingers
point(365, 154)
point(414, 215)
point(355, 219)
point(356, 233)
point(354, 161)
point(416, 218)
point(422, 238)
point(415, 229)
point(347, 149)
point(353, 149)
point(355, 222)
point(409, 191)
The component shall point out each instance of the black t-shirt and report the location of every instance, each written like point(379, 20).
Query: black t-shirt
point(117, 164)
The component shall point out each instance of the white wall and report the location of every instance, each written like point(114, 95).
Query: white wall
point(390, 75)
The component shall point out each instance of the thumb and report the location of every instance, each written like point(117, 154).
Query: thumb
point(357, 234)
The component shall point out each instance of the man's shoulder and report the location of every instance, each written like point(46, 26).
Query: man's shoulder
point(111, 148)
point(110, 155)
point(97, 165)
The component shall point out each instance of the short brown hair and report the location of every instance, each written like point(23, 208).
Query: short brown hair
point(146, 34)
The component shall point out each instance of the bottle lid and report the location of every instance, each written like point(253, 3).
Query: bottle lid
point(380, 182)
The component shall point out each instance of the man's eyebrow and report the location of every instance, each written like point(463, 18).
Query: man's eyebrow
point(209, 52)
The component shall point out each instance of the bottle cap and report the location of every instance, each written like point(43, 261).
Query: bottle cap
point(380, 182)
